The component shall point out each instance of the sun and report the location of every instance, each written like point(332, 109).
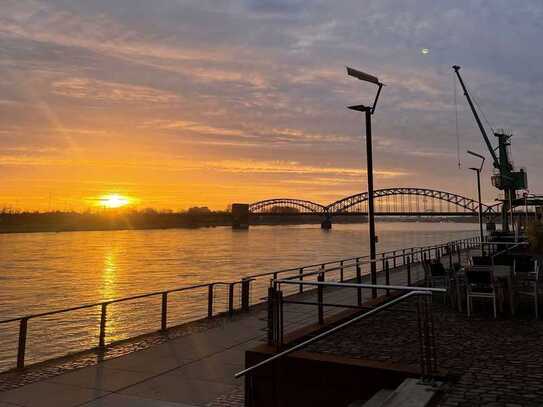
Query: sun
point(113, 201)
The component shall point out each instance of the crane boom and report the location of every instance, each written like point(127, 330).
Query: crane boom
point(483, 131)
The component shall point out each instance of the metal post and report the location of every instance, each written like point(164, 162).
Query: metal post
point(408, 272)
point(371, 208)
point(164, 319)
point(245, 293)
point(280, 317)
point(459, 254)
point(231, 298)
point(210, 300)
point(359, 281)
point(103, 318)
point(341, 271)
point(320, 298)
point(387, 276)
point(271, 314)
point(301, 286)
point(481, 231)
point(21, 350)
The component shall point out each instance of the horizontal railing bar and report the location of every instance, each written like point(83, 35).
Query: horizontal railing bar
point(356, 285)
point(379, 255)
point(329, 332)
point(118, 300)
point(325, 304)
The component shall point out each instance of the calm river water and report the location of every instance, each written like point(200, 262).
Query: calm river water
point(46, 271)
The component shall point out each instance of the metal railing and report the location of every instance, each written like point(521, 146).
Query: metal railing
point(251, 294)
point(103, 306)
point(428, 357)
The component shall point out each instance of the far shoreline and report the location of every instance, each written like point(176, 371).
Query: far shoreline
point(42, 224)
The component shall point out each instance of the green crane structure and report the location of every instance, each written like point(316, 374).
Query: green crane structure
point(505, 178)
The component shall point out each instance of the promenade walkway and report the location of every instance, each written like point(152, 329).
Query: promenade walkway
point(193, 370)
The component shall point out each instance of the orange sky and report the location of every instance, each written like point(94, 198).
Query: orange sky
point(197, 103)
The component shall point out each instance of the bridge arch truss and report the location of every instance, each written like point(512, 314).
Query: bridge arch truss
point(300, 205)
point(347, 204)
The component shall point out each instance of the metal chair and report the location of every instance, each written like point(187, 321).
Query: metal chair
point(527, 284)
point(480, 283)
point(435, 274)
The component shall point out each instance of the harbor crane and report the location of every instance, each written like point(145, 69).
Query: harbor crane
point(505, 178)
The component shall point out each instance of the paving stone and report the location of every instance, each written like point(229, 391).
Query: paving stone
point(171, 387)
point(50, 395)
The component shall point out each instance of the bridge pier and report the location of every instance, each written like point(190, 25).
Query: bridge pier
point(240, 216)
point(326, 224)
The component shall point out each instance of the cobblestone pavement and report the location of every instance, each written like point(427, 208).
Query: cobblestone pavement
point(233, 399)
point(493, 363)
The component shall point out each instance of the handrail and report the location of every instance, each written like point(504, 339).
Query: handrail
point(514, 245)
point(116, 300)
point(355, 285)
point(330, 331)
point(378, 257)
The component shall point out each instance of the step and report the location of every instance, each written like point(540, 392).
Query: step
point(411, 393)
point(378, 398)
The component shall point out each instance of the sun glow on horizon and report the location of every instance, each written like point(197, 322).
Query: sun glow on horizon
point(114, 201)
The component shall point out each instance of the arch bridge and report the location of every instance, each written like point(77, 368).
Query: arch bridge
point(388, 202)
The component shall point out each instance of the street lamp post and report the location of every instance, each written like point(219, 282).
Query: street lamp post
point(478, 171)
point(368, 111)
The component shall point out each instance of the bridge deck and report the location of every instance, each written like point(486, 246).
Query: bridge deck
point(194, 370)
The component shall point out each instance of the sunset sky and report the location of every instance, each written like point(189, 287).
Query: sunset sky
point(207, 102)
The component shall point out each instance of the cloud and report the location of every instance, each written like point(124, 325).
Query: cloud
point(83, 88)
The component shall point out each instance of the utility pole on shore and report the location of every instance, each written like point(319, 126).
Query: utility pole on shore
point(368, 111)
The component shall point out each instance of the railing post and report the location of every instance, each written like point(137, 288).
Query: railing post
point(103, 319)
point(320, 298)
point(231, 298)
point(403, 257)
point(459, 254)
point(408, 272)
point(387, 276)
point(280, 317)
point(271, 315)
point(245, 293)
point(449, 252)
point(358, 281)
point(164, 318)
point(210, 300)
point(394, 260)
point(341, 271)
point(21, 350)
point(301, 277)
point(428, 354)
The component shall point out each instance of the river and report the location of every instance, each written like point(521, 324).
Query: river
point(47, 271)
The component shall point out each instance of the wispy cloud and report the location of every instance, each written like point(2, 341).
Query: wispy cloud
point(83, 88)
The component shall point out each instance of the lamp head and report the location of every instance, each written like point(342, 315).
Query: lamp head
point(366, 77)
